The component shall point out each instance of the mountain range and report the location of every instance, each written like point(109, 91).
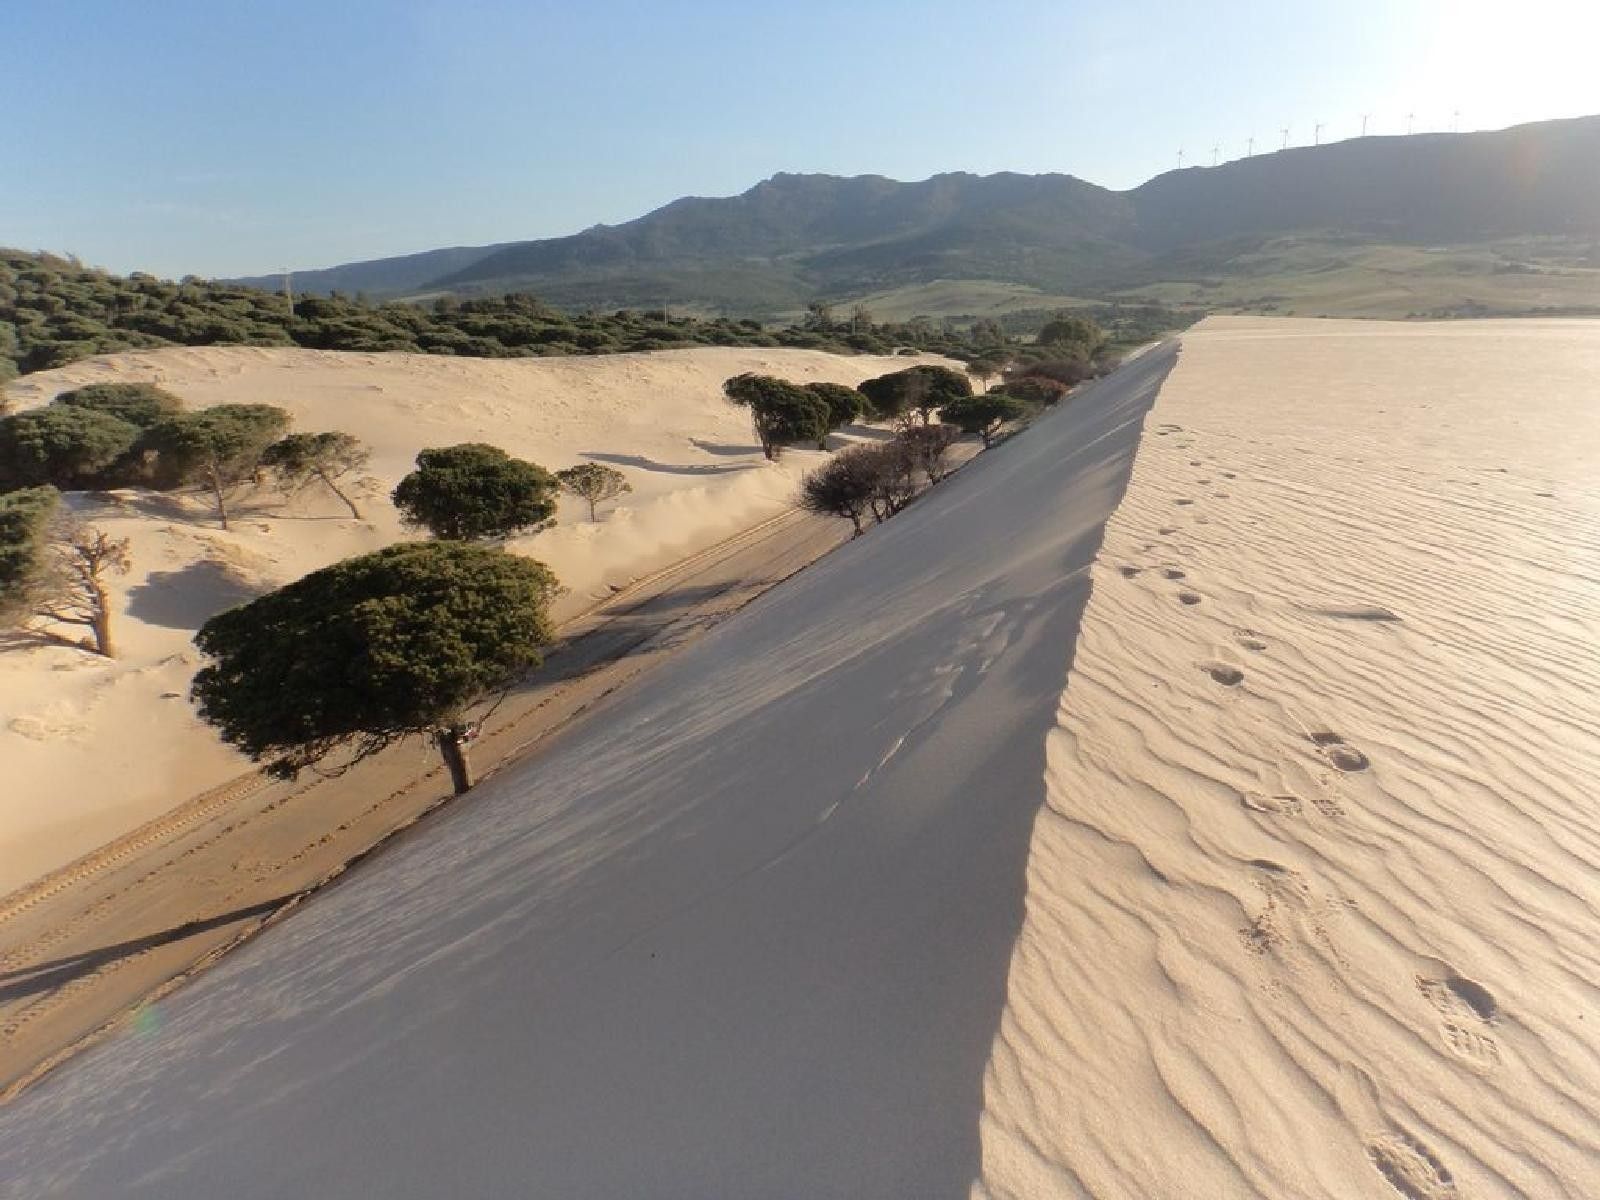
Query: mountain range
point(796, 238)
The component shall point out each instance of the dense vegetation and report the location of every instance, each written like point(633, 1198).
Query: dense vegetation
point(54, 311)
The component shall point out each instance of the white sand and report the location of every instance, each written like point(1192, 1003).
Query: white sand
point(965, 864)
point(91, 749)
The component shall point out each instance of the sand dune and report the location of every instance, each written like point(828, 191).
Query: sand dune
point(1240, 845)
point(92, 748)
point(1313, 900)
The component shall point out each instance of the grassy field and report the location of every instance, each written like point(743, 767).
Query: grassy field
point(959, 297)
point(1335, 276)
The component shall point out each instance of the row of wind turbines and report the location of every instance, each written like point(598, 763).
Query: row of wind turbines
point(1316, 137)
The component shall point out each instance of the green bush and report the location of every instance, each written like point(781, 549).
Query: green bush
point(474, 491)
point(67, 447)
point(372, 649)
point(141, 404)
point(24, 531)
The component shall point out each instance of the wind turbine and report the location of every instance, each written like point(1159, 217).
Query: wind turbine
point(1214, 150)
point(1250, 147)
point(1363, 124)
point(1285, 145)
point(1411, 120)
point(1180, 158)
point(1455, 121)
point(288, 291)
point(1317, 137)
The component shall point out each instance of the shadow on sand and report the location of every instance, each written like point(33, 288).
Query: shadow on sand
point(189, 597)
point(48, 976)
point(642, 463)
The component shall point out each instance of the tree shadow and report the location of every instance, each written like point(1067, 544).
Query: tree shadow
point(642, 463)
point(57, 973)
point(724, 449)
point(189, 597)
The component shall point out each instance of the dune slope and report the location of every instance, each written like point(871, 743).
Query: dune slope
point(744, 933)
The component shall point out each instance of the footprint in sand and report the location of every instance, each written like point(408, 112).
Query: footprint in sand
point(1229, 475)
point(1167, 530)
point(1410, 1167)
point(1279, 804)
point(1171, 573)
point(1226, 674)
point(1339, 752)
point(1129, 572)
point(1477, 1050)
point(1248, 640)
point(1189, 597)
point(1183, 500)
point(1222, 495)
point(1467, 1007)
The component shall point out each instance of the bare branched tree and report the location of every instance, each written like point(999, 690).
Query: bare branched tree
point(72, 590)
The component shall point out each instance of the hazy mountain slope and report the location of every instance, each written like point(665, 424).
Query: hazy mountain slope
point(821, 234)
point(380, 276)
point(1531, 179)
point(794, 238)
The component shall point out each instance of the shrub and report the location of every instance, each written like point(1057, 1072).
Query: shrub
point(923, 389)
point(372, 650)
point(844, 487)
point(593, 483)
point(325, 457)
point(1069, 372)
point(140, 404)
point(1078, 336)
point(60, 445)
point(1037, 390)
point(24, 524)
point(781, 412)
point(217, 448)
point(845, 404)
point(929, 448)
point(475, 491)
point(983, 415)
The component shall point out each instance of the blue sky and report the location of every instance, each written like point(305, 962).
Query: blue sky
point(236, 136)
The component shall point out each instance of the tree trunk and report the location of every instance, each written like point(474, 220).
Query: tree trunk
point(452, 743)
point(335, 489)
point(100, 620)
point(592, 517)
point(215, 480)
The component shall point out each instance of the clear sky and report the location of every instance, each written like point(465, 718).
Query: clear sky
point(236, 136)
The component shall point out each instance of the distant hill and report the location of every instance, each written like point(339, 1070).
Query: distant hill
point(380, 276)
point(795, 238)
